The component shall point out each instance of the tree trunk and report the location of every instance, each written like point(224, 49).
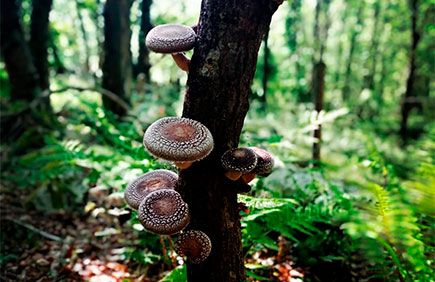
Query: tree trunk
point(266, 70)
point(407, 104)
point(143, 62)
point(23, 75)
point(321, 28)
point(318, 94)
point(369, 81)
point(84, 36)
point(293, 29)
point(353, 40)
point(223, 66)
point(39, 36)
point(117, 56)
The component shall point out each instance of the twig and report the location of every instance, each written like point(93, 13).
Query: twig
point(36, 230)
point(112, 96)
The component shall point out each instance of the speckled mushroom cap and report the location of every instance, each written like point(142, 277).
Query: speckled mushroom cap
point(265, 162)
point(164, 212)
point(170, 38)
point(178, 139)
point(193, 244)
point(140, 187)
point(240, 159)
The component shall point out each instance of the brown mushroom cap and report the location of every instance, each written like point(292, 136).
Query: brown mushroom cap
point(265, 162)
point(193, 244)
point(170, 38)
point(240, 160)
point(140, 187)
point(164, 212)
point(178, 139)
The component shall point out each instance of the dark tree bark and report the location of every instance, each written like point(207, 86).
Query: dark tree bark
point(408, 103)
point(266, 69)
point(223, 66)
point(321, 28)
point(318, 94)
point(143, 62)
point(39, 39)
point(117, 67)
point(353, 41)
point(23, 75)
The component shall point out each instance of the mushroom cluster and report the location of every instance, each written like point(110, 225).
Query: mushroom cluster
point(161, 209)
point(247, 163)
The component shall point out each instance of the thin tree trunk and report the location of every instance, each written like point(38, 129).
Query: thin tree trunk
point(266, 69)
point(23, 75)
point(338, 71)
point(117, 56)
point(59, 66)
point(39, 36)
point(407, 105)
point(143, 62)
point(318, 94)
point(84, 35)
point(369, 81)
point(320, 31)
point(223, 66)
point(353, 41)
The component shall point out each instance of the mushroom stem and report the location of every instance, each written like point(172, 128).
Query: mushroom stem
point(233, 175)
point(248, 177)
point(182, 61)
point(183, 165)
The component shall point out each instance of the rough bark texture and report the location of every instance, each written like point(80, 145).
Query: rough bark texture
point(22, 73)
point(117, 57)
point(407, 103)
point(143, 62)
point(39, 39)
point(221, 71)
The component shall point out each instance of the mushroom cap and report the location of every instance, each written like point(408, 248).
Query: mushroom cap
point(178, 139)
point(239, 159)
point(265, 161)
point(194, 244)
point(170, 38)
point(164, 212)
point(140, 187)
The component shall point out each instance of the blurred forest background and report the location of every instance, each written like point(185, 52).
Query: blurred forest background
point(343, 96)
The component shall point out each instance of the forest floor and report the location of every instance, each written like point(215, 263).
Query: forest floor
point(67, 246)
point(88, 246)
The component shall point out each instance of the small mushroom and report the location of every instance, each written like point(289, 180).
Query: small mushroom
point(140, 187)
point(238, 161)
point(174, 39)
point(164, 212)
point(180, 140)
point(265, 163)
point(193, 244)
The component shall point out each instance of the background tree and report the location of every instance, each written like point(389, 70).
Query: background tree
point(117, 65)
point(143, 61)
point(359, 21)
point(39, 39)
point(225, 75)
point(321, 28)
